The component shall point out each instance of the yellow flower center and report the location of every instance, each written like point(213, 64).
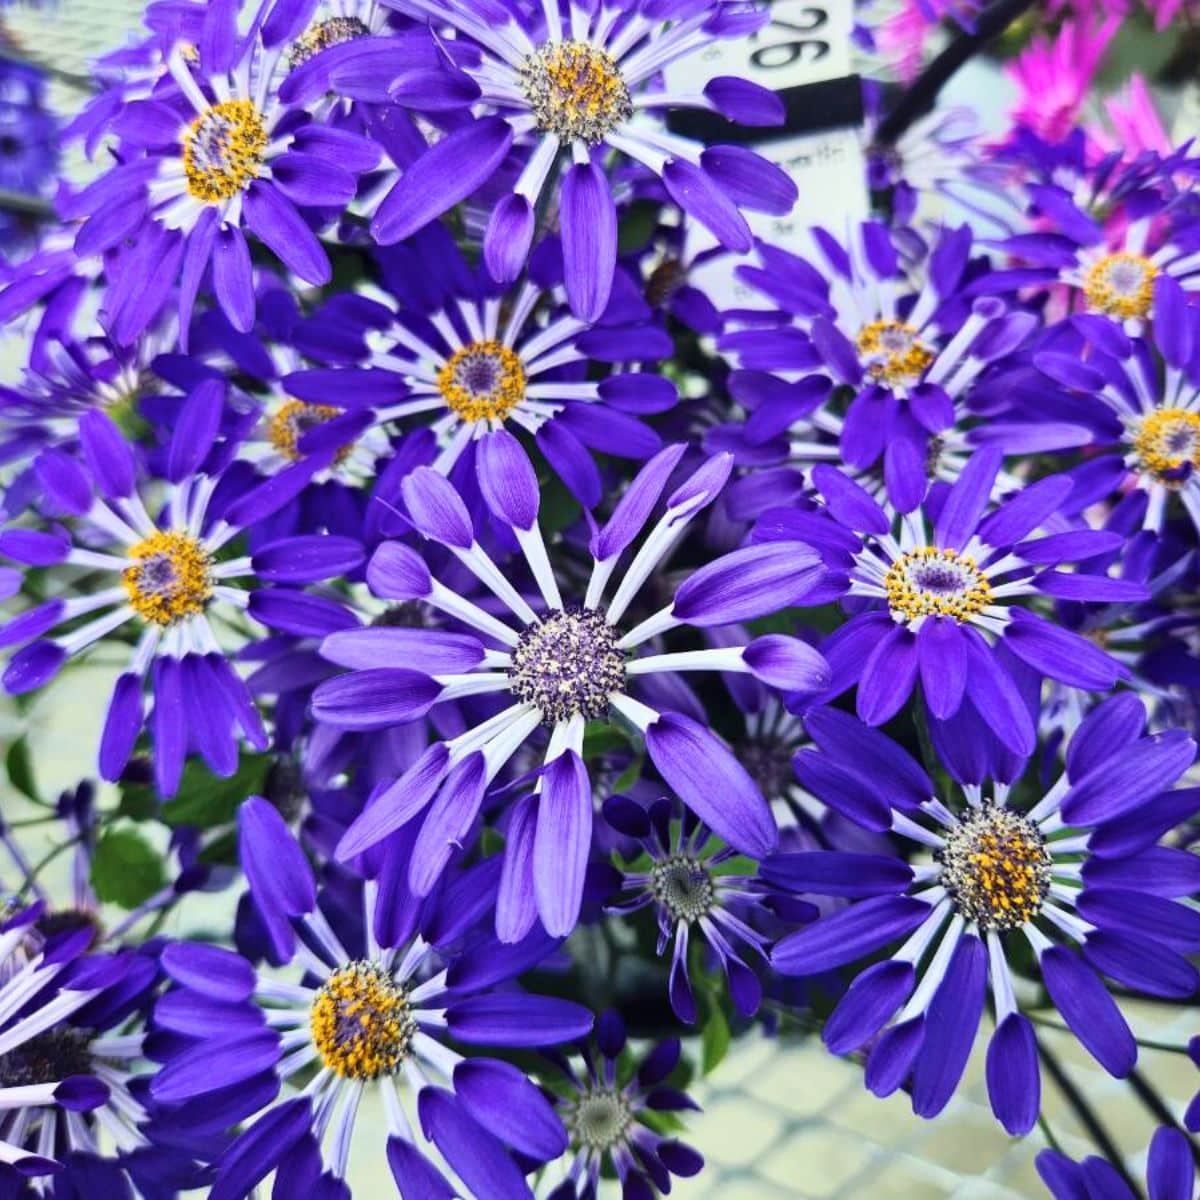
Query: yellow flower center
point(1167, 444)
point(893, 351)
point(293, 420)
point(320, 36)
point(223, 150)
point(575, 91)
point(362, 1023)
point(1121, 285)
point(996, 867)
point(929, 582)
point(482, 381)
point(170, 578)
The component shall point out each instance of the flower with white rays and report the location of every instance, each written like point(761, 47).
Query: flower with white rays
point(1149, 385)
point(582, 83)
point(487, 359)
point(343, 1021)
point(1081, 868)
point(1110, 266)
point(900, 334)
point(167, 576)
point(561, 667)
point(952, 596)
point(213, 150)
point(64, 1071)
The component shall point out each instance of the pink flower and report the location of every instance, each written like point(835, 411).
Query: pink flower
point(1054, 75)
point(1134, 123)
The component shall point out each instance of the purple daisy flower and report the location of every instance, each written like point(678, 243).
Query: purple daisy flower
point(605, 1112)
point(912, 351)
point(559, 667)
point(1110, 267)
point(369, 1004)
point(214, 151)
point(1150, 392)
point(1081, 866)
point(1170, 1173)
point(477, 357)
point(942, 592)
point(694, 886)
point(67, 1061)
point(167, 575)
point(587, 80)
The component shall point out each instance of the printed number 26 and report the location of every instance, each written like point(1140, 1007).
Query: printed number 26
point(798, 50)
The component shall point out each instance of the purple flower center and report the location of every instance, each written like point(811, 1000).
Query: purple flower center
point(48, 1058)
point(568, 664)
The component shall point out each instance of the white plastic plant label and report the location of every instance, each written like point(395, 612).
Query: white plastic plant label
point(804, 43)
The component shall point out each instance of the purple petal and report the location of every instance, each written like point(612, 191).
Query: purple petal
point(588, 218)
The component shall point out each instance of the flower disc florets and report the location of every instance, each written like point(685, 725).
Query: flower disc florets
point(996, 867)
point(362, 1022)
point(1121, 285)
point(48, 1057)
point(683, 886)
point(576, 91)
point(170, 578)
point(600, 1119)
point(929, 582)
point(223, 150)
point(895, 353)
point(568, 664)
point(1167, 443)
point(293, 420)
point(482, 381)
point(320, 36)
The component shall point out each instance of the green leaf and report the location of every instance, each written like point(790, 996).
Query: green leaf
point(205, 800)
point(20, 770)
point(126, 869)
point(714, 1041)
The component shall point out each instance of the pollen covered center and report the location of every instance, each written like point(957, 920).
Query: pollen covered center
point(295, 418)
point(362, 1022)
point(929, 582)
point(600, 1119)
point(683, 887)
point(223, 150)
point(1166, 443)
point(568, 664)
point(484, 381)
point(1121, 285)
point(169, 578)
point(996, 867)
point(576, 91)
point(894, 352)
point(335, 31)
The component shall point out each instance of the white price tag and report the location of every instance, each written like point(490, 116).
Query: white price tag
point(803, 43)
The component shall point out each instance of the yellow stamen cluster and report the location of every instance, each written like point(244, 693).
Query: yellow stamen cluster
point(293, 420)
point(362, 1023)
point(1121, 285)
point(223, 150)
point(169, 579)
point(996, 867)
point(320, 36)
point(1167, 444)
point(928, 582)
point(895, 352)
point(484, 381)
point(576, 91)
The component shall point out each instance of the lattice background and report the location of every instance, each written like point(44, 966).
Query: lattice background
point(781, 1121)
